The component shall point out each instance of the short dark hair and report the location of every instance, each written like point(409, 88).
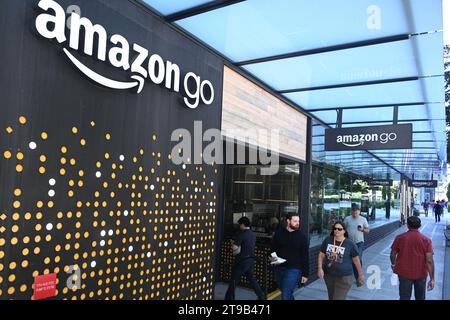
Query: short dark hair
point(292, 214)
point(355, 206)
point(245, 221)
point(413, 222)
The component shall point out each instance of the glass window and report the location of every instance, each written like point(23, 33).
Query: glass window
point(387, 61)
point(242, 31)
point(368, 114)
point(330, 198)
point(166, 7)
point(264, 199)
point(387, 93)
point(316, 228)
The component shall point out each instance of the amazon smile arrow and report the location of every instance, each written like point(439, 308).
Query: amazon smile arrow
point(144, 66)
point(103, 80)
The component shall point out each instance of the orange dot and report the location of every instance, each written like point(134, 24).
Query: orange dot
point(83, 142)
point(9, 130)
point(63, 149)
point(108, 136)
point(17, 192)
point(22, 120)
point(74, 130)
point(19, 156)
point(62, 171)
point(41, 170)
point(7, 154)
point(16, 204)
point(44, 135)
point(19, 168)
point(42, 158)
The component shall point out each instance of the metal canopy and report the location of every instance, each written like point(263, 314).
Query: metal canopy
point(377, 62)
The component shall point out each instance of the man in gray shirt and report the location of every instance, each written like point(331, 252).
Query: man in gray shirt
point(356, 227)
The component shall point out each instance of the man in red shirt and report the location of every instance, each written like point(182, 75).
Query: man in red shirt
point(412, 259)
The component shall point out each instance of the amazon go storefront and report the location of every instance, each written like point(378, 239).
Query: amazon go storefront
point(105, 187)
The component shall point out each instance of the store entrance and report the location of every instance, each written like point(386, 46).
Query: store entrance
point(266, 201)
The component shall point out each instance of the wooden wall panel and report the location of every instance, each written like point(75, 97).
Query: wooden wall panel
point(246, 106)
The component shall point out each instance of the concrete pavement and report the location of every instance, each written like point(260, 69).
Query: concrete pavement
point(377, 267)
point(376, 258)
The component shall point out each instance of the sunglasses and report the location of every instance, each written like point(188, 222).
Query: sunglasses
point(339, 229)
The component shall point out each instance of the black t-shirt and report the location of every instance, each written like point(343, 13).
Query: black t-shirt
point(338, 259)
point(294, 247)
point(246, 239)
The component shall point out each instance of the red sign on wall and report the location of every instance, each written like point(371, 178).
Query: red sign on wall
point(45, 286)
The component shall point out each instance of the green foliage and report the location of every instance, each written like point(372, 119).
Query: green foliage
point(360, 186)
point(448, 192)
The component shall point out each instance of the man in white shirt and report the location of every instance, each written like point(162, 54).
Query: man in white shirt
point(356, 227)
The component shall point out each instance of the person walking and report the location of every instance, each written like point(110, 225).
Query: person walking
point(444, 206)
point(356, 226)
point(411, 260)
point(243, 248)
point(432, 205)
point(387, 207)
point(291, 244)
point(425, 207)
point(336, 256)
point(437, 211)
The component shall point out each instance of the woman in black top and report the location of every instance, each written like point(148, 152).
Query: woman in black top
point(335, 263)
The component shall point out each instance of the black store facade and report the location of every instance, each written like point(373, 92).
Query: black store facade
point(87, 182)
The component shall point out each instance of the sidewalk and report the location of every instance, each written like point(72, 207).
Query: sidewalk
point(375, 256)
point(378, 256)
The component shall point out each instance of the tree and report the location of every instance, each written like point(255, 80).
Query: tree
point(360, 185)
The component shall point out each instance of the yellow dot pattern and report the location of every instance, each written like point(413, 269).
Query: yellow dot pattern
point(134, 225)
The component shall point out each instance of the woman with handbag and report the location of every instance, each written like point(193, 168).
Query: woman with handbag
point(336, 256)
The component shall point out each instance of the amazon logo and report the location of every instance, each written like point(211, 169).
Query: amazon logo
point(145, 66)
point(356, 140)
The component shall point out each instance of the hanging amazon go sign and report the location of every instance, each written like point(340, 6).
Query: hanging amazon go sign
point(381, 183)
point(369, 138)
point(51, 25)
point(423, 183)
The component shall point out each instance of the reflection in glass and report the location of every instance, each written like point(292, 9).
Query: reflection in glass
point(264, 199)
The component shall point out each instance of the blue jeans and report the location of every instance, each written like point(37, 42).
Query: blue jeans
point(406, 286)
point(360, 246)
point(287, 280)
